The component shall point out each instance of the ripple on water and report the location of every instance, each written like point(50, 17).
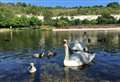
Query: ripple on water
point(14, 63)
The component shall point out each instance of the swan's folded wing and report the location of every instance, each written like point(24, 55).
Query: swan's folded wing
point(83, 57)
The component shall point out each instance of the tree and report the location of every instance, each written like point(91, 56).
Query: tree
point(62, 23)
point(113, 5)
point(106, 18)
point(35, 21)
point(21, 21)
point(85, 21)
point(5, 17)
point(75, 22)
point(118, 21)
point(21, 4)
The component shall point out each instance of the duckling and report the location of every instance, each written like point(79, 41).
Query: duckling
point(32, 68)
point(51, 53)
point(39, 55)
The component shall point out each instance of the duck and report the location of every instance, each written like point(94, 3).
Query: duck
point(51, 53)
point(78, 58)
point(48, 54)
point(39, 55)
point(32, 68)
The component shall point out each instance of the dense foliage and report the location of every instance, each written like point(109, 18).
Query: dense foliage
point(106, 19)
point(9, 12)
point(24, 21)
point(103, 19)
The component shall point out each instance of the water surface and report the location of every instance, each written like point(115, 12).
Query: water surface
point(17, 48)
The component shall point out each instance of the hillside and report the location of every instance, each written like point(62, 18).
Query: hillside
point(23, 8)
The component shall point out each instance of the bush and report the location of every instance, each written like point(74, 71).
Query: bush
point(118, 22)
point(35, 21)
point(75, 22)
point(106, 19)
point(85, 21)
point(6, 17)
point(61, 22)
point(93, 22)
point(21, 21)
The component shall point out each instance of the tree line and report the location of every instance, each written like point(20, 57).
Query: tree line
point(105, 18)
point(9, 20)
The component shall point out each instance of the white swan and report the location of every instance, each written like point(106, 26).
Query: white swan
point(77, 46)
point(32, 68)
point(78, 58)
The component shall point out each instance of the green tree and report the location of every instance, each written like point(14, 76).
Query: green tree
point(21, 4)
point(5, 17)
point(35, 21)
point(85, 21)
point(75, 22)
point(106, 18)
point(118, 21)
point(62, 23)
point(113, 5)
point(93, 22)
point(21, 21)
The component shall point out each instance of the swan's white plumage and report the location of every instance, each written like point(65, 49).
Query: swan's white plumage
point(77, 58)
point(77, 46)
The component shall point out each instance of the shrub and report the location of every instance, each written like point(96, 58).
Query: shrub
point(21, 21)
point(106, 19)
point(35, 21)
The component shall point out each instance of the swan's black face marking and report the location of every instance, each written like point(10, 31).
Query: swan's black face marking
point(65, 41)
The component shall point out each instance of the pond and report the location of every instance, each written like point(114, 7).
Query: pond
point(17, 49)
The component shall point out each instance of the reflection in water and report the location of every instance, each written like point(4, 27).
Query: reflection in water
point(17, 48)
point(67, 73)
point(48, 40)
point(32, 76)
point(77, 73)
point(66, 70)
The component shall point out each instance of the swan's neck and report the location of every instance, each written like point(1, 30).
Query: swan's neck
point(66, 52)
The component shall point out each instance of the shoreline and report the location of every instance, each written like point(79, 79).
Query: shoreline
point(88, 29)
point(5, 30)
point(111, 27)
